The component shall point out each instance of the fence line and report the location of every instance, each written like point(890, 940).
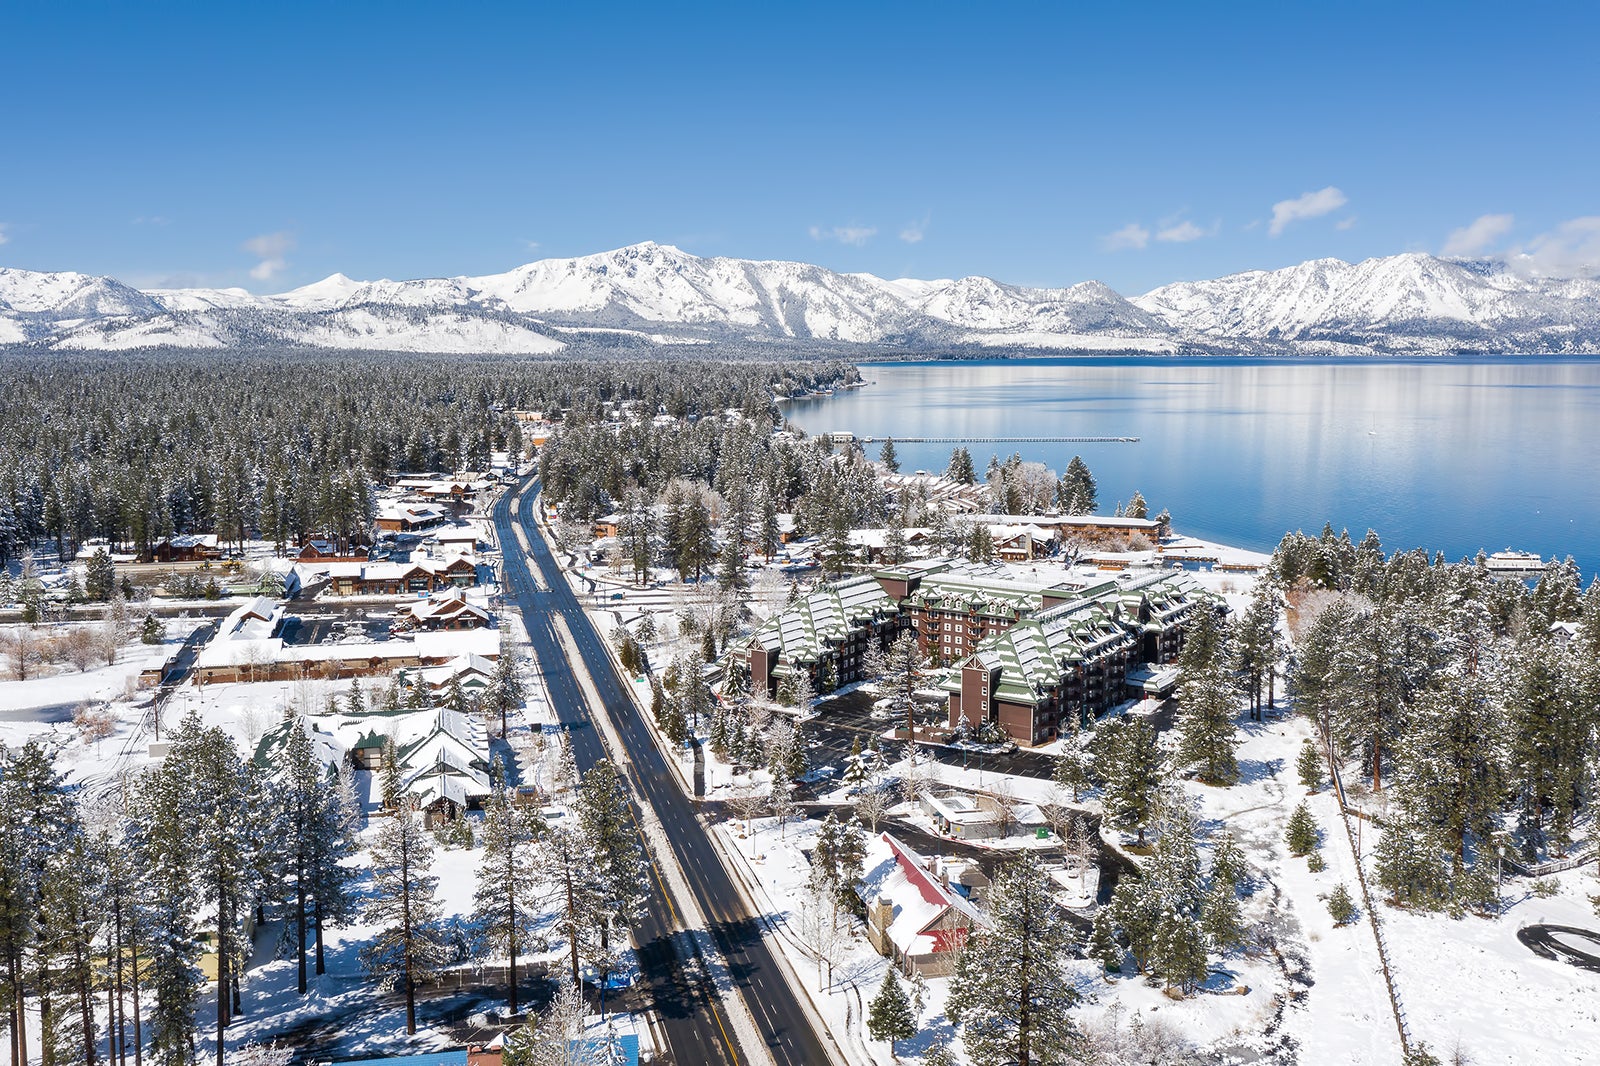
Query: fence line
point(1554, 866)
point(1372, 915)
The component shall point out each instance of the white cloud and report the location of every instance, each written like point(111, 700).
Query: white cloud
point(1345, 223)
point(913, 232)
point(1184, 232)
point(1308, 205)
point(152, 220)
point(1132, 235)
point(1483, 233)
point(1570, 250)
point(3, 237)
point(270, 248)
point(852, 234)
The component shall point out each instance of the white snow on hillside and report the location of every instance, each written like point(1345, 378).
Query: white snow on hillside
point(1411, 302)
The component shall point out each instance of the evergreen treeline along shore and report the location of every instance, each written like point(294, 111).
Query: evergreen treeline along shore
point(132, 448)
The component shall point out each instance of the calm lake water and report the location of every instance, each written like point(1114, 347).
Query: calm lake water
point(1447, 454)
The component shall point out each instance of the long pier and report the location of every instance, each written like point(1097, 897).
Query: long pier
point(843, 438)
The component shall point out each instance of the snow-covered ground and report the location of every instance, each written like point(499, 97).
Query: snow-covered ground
point(342, 1012)
point(1310, 991)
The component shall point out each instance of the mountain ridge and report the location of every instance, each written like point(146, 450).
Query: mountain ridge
point(657, 294)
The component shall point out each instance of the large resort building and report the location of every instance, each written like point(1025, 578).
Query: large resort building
point(1033, 659)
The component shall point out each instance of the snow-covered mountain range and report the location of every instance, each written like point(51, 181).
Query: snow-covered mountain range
point(656, 294)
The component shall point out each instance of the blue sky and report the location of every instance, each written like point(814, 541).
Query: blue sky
point(270, 145)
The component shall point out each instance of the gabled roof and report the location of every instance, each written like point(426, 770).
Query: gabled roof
point(920, 900)
point(830, 613)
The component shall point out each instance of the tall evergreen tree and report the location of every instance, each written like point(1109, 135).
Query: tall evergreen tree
point(507, 691)
point(38, 814)
point(100, 577)
point(905, 666)
point(1206, 730)
point(1550, 732)
point(1452, 767)
point(408, 947)
point(300, 798)
point(889, 1015)
point(509, 891)
point(1255, 644)
point(617, 852)
point(206, 822)
point(960, 468)
point(566, 863)
point(1129, 762)
point(1076, 494)
point(1011, 994)
point(887, 456)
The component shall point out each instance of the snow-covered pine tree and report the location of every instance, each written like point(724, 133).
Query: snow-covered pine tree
point(407, 947)
point(613, 838)
point(1451, 768)
point(903, 675)
point(1326, 671)
point(566, 863)
point(855, 768)
point(1070, 774)
point(1206, 728)
point(1255, 644)
point(100, 576)
point(455, 697)
point(70, 921)
point(38, 812)
point(332, 884)
point(1129, 763)
point(1103, 946)
point(391, 778)
point(886, 456)
point(509, 891)
point(1301, 832)
point(206, 817)
point(298, 798)
point(1220, 917)
point(1227, 862)
point(555, 1038)
point(694, 696)
point(507, 690)
point(889, 1014)
point(1341, 906)
point(1011, 994)
point(839, 854)
point(1076, 493)
point(731, 574)
point(1308, 765)
point(1172, 879)
point(1547, 736)
point(894, 541)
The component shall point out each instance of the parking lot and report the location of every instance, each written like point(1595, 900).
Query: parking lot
point(333, 625)
point(844, 720)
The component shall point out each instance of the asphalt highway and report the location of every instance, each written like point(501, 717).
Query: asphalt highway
point(682, 981)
